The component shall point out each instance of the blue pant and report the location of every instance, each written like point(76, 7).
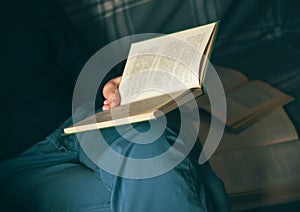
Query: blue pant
point(56, 175)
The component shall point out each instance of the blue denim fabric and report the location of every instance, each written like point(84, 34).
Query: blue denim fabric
point(49, 177)
point(57, 175)
point(175, 190)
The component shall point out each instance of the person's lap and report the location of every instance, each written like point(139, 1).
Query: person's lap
point(48, 176)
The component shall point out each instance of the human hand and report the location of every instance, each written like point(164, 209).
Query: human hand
point(111, 94)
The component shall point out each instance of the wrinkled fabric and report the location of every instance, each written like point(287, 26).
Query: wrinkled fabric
point(52, 176)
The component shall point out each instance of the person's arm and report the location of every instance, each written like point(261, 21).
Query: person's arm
point(111, 93)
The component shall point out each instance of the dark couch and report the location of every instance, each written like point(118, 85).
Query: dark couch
point(259, 38)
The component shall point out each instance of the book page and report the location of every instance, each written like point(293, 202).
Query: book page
point(248, 101)
point(261, 169)
point(165, 64)
point(230, 78)
point(275, 127)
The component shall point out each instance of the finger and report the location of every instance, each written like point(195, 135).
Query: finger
point(112, 101)
point(111, 86)
point(116, 99)
point(105, 107)
point(108, 90)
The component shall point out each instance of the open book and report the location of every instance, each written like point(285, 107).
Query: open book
point(160, 74)
point(275, 127)
point(259, 166)
point(247, 101)
point(262, 176)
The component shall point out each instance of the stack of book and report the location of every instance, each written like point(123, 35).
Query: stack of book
point(257, 157)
